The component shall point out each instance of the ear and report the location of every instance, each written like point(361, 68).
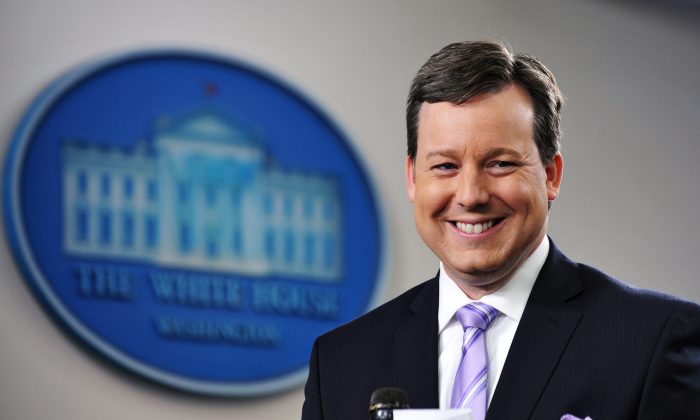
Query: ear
point(411, 178)
point(554, 171)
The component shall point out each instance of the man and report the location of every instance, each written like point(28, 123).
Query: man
point(556, 338)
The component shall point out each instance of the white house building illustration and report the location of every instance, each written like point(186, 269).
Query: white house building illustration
point(201, 194)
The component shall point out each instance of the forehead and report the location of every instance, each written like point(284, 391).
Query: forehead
point(497, 119)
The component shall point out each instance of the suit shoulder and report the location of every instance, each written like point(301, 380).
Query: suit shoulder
point(387, 316)
point(618, 292)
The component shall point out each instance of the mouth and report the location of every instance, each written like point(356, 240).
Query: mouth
point(477, 228)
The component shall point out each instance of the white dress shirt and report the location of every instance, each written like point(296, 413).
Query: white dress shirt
point(510, 300)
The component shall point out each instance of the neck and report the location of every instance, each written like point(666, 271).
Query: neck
point(478, 285)
point(477, 288)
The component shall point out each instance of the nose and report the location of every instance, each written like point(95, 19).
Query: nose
point(472, 189)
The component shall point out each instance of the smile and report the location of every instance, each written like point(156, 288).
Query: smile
point(476, 227)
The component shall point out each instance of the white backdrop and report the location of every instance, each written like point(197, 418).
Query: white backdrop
point(631, 149)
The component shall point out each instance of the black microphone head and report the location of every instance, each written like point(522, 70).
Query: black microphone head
point(388, 399)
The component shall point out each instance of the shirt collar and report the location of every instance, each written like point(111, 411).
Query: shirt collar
point(510, 299)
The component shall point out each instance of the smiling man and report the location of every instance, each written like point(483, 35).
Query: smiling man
point(479, 187)
point(510, 327)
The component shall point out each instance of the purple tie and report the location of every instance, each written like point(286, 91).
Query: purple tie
point(469, 390)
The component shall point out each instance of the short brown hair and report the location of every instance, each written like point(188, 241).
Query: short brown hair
point(463, 70)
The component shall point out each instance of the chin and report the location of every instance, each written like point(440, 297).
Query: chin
point(480, 272)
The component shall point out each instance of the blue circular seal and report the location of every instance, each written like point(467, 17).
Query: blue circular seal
point(192, 218)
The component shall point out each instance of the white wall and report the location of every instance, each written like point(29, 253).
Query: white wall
point(630, 192)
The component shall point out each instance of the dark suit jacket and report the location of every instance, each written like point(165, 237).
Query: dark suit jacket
point(586, 344)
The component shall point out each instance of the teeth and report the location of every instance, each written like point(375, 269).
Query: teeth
point(475, 228)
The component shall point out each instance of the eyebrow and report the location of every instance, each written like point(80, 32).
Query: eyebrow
point(449, 153)
point(496, 151)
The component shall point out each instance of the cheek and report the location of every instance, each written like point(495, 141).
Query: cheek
point(523, 192)
point(431, 193)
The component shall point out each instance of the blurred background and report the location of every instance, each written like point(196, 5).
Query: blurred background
point(630, 71)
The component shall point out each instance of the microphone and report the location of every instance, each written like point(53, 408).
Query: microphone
point(384, 401)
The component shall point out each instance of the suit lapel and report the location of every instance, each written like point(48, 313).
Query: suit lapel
point(415, 350)
point(542, 335)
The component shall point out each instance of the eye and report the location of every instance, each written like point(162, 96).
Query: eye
point(446, 166)
point(501, 167)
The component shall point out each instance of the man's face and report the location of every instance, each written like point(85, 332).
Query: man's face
point(479, 188)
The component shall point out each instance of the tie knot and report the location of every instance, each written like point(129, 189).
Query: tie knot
point(476, 314)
